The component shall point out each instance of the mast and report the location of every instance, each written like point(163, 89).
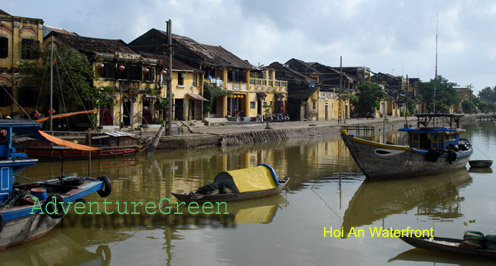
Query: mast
point(435, 78)
point(169, 79)
point(50, 109)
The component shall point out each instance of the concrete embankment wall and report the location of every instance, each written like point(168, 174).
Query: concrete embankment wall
point(261, 136)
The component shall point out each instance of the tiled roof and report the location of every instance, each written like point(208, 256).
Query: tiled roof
point(89, 45)
point(229, 57)
point(213, 55)
point(4, 13)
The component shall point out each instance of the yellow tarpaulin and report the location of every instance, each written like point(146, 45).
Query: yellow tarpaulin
point(253, 179)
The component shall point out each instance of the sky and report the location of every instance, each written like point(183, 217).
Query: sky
point(396, 36)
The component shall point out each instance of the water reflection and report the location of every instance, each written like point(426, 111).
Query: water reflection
point(434, 196)
point(56, 248)
point(326, 189)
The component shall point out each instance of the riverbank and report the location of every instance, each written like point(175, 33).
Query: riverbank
point(242, 134)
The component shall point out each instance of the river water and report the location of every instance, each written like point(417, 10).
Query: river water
point(326, 190)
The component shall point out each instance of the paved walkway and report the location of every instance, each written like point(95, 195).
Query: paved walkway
point(250, 126)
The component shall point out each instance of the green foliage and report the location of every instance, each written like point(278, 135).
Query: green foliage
point(368, 98)
point(72, 76)
point(486, 100)
point(488, 95)
point(212, 91)
point(446, 95)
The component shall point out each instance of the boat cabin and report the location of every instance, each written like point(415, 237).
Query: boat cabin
point(432, 134)
point(9, 158)
point(114, 139)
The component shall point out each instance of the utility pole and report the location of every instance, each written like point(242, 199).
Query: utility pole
point(340, 111)
point(406, 100)
point(169, 79)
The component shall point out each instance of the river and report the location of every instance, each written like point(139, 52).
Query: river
point(327, 190)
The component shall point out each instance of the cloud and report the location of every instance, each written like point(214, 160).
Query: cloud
point(387, 36)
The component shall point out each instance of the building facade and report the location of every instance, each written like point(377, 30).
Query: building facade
point(20, 40)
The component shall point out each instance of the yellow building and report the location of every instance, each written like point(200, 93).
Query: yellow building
point(266, 94)
point(20, 40)
point(217, 65)
point(135, 82)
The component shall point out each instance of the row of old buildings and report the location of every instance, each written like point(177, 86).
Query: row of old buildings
point(134, 77)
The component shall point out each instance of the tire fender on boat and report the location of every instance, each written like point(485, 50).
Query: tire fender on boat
point(58, 212)
point(451, 156)
point(106, 188)
point(1, 223)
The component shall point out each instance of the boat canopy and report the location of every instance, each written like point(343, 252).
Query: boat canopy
point(258, 178)
point(23, 127)
point(429, 130)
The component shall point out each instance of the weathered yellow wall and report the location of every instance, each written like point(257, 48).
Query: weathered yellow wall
point(15, 29)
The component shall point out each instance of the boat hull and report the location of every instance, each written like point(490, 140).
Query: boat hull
point(190, 197)
point(480, 163)
point(26, 228)
point(450, 245)
point(26, 222)
point(71, 154)
point(387, 161)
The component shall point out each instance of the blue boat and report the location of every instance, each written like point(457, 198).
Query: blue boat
point(433, 147)
point(30, 210)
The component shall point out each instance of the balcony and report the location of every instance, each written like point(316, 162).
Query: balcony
point(268, 85)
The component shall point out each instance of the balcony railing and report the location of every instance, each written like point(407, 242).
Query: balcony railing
point(268, 85)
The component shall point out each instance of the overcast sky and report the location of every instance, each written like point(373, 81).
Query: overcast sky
point(395, 36)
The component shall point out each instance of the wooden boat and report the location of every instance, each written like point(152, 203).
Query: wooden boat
point(108, 144)
point(243, 184)
point(450, 245)
point(480, 163)
point(28, 211)
point(426, 150)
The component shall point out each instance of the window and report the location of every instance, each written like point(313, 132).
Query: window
point(107, 71)
point(180, 78)
point(195, 80)
point(314, 105)
point(4, 47)
point(124, 74)
point(271, 83)
point(135, 72)
point(236, 76)
point(252, 105)
point(150, 76)
point(30, 49)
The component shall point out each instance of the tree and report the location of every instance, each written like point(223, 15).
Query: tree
point(369, 97)
point(488, 95)
point(446, 95)
point(211, 92)
point(72, 78)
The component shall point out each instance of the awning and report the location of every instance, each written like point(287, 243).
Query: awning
point(197, 97)
point(22, 127)
point(279, 95)
point(65, 143)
